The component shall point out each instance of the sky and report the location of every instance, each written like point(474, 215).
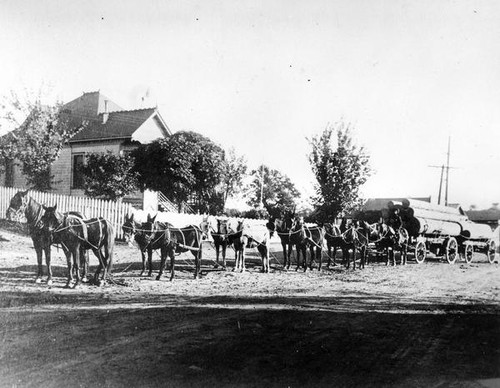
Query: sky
point(266, 76)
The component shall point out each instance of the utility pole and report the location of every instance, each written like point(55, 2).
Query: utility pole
point(443, 168)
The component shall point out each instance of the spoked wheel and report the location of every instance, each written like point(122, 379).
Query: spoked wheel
point(420, 252)
point(492, 248)
point(451, 250)
point(468, 251)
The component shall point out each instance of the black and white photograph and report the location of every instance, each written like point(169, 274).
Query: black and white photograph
point(248, 193)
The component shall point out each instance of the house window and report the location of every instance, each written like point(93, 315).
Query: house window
point(77, 174)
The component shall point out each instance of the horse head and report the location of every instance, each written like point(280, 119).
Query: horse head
point(129, 228)
point(149, 228)
point(18, 205)
point(51, 220)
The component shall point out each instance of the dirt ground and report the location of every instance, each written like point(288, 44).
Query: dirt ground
point(428, 325)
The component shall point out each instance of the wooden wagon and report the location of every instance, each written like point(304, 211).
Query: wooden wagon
point(441, 230)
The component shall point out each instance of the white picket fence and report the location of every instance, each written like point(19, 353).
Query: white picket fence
point(113, 211)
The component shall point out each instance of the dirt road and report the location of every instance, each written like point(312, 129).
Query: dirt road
point(406, 326)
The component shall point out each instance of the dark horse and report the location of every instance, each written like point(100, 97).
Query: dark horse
point(303, 236)
point(21, 205)
point(334, 241)
point(132, 231)
point(283, 227)
point(220, 237)
point(172, 240)
point(356, 237)
point(76, 234)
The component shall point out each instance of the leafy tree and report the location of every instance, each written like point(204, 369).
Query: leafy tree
point(38, 140)
point(108, 176)
point(340, 169)
point(273, 190)
point(234, 170)
point(184, 166)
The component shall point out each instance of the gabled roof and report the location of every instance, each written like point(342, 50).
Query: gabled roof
point(93, 108)
point(119, 125)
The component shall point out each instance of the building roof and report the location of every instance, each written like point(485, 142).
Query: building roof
point(106, 120)
point(492, 215)
point(119, 125)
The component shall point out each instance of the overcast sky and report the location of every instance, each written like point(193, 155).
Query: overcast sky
point(263, 76)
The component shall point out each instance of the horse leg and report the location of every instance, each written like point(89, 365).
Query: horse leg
point(289, 255)
point(285, 256)
point(163, 260)
point(312, 257)
point(297, 248)
point(224, 246)
point(39, 259)
point(217, 249)
point(171, 253)
point(242, 259)
point(47, 262)
point(150, 261)
point(143, 258)
point(319, 253)
point(84, 264)
point(76, 264)
point(69, 262)
point(197, 262)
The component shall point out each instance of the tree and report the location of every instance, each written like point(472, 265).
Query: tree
point(108, 176)
point(234, 170)
point(38, 140)
point(340, 170)
point(273, 190)
point(184, 166)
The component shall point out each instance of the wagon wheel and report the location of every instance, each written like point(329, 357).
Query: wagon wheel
point(451, 250)
point(490, 253)
point(468, 251)
point(420, 252)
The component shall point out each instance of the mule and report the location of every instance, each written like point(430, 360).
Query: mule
point(77, 234)
point(245, 236)
point(132, 232)
point(303, 237)
point(172, 241)
point(22, 205)
point(283, 226)
point(221, 241)
point(356, 239)
point(334, 241)
point(394, 240)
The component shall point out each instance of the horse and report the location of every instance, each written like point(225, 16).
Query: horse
point(77, 234)
point(21, 205)
point(219, 237)
point(303, 237)
point(394, 240)
point(172, 240)
point(132, 231)
point(283, 226)
point(334, 241)
point(245, 236)
point(356, 238)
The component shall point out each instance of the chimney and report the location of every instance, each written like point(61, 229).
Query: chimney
point(105, 115)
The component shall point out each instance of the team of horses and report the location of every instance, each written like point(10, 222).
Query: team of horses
point(77, 235)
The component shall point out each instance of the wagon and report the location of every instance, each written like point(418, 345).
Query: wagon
point(444, 231)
